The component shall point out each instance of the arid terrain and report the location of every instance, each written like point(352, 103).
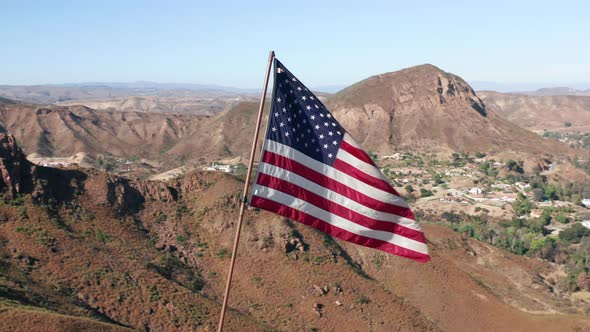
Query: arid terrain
point(152, 255)
point(561, 113)
point(87, 242)
point(157, 104)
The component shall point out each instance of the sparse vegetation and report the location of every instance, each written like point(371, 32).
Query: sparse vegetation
point(22, 212)
point(378, 260)
point(363, 300)
point(425, 192)
point(161, 218)
point(103, 237)
point(574, 233)
point(223, 253)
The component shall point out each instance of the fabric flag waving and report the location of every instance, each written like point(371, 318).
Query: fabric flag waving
point(312, 171)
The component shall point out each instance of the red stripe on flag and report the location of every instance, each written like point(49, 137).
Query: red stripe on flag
point(339, 210)
point(332, 184)
point(364, 177)
point(360, 154)
point(332, 230)
point(358, 174)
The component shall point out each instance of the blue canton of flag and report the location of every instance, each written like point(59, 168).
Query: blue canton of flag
point(301, 121)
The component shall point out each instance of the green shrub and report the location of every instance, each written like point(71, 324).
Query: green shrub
point(223, 252)
point(180, 238)
point(161, 218)
point(425, 192)
point(20, 229)
point(103, 237)
point(562, 218)
point(22, 212)
point(574, 233)
point(363, 300)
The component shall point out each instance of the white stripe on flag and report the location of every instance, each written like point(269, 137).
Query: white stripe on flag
point(333, 173)
point(360, 164)
point(335, 197)
point(337, 221)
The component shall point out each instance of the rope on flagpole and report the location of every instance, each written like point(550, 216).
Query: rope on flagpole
point(245, 193)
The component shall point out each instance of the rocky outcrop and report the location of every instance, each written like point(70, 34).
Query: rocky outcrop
point(15, 169)
point(125, 197)
point(19, 176)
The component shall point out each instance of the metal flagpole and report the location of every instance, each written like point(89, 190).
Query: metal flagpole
point(245, 193)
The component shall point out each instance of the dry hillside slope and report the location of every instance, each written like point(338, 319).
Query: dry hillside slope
point(172, 139)
point(153, 256)
point(159, 104)
point(64, 131)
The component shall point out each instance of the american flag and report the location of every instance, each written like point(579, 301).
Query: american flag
point(312, 171)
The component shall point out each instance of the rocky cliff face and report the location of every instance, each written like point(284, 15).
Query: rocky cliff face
point(16, 170)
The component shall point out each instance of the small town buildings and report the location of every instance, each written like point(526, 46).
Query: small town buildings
point(56, 164)
point(220, 168)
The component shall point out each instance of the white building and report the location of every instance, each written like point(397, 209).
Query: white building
point(219, 168)
point(475, 191)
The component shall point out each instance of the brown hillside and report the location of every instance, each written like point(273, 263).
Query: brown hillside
point(64, 131)
point(169, 138)
point(224, 135)
point(539, 113)
point(426, 108)
point(159, 104)
point(17, 318)
point(153, 256)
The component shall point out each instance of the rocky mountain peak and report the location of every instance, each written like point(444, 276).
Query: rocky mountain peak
point(428, 84)
point(424, 108)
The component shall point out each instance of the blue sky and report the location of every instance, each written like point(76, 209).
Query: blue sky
point(323, 42)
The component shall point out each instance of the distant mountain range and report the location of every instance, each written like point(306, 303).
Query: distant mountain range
point(558, 91)
point(54, 93)
point(533, 88)
point(93, 91)
point(148, 85)
point(113, 92)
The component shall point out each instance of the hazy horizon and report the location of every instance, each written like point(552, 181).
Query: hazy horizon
point(476, 85)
